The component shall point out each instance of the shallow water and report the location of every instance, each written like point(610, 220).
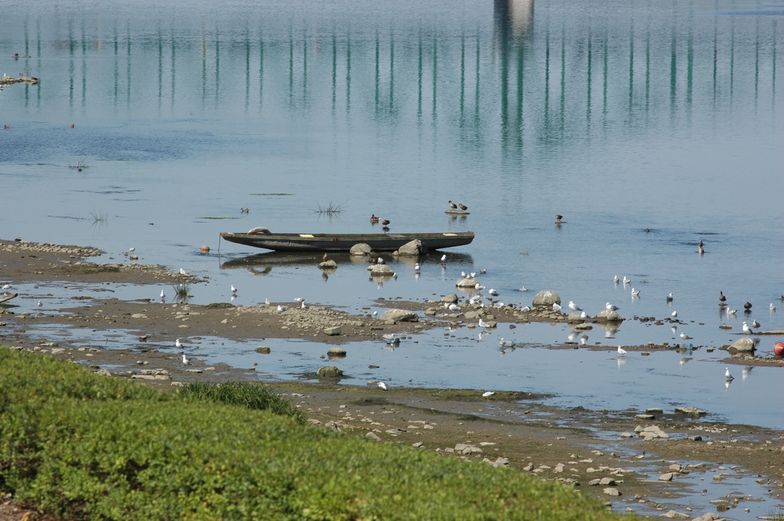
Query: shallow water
point(622, 116)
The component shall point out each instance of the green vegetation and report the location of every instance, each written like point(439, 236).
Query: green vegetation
point(84, 446)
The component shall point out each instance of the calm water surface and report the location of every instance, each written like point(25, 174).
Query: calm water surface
point(621, 115)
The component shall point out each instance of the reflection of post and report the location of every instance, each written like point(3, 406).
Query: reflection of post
point(84, 67)
point(160, 68)
point(334, 69)
point(419, 76)
point(462, 76)
point(391, 70)
point(773, 66)
point(217, 66)
point(38, 55)
point(348, 72)
point(247, 69)
point(128, 65)
point(513, 18)
point(70, 63)
point(261, 69)
point(378, 73)
point(172, 68)
point(631, 67)
point(116, 66)
point(435, 77)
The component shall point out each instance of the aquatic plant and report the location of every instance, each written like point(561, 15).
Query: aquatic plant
point(182, 292)
point(330, 209)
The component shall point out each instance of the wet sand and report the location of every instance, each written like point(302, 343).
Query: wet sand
point(574, 446)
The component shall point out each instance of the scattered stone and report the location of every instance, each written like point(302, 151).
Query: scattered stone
point(742, 345)
point(264, 350)
point(612, 491)
point(373, 436)
point(417, 444)
point(667, 476)
point(547, 298)
point(695, 438)
point(466, 449)
point(328, 264)
point(329, 371)
point(607, 482)
point(707, 516)
point(725, 326)
point(674, 514)
point(585, 326)
point(529, 467)
point(645, 416)
point(394, 316)
point(652, 432)
point(138, 316)
point(654, 410)
point(360, 249)
point(411, 248)
point(332, 331)
point(559, 468)
point(336, 352)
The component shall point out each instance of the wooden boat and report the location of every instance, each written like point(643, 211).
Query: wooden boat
point(262, 238)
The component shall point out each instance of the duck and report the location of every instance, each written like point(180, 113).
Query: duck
point(385, 222)
point(462, 206)
point(559, 219)
point(722, 298)
point(452, 206)
point(701, 248)
point(374, 218)
point(669, 297)
point(747, 307)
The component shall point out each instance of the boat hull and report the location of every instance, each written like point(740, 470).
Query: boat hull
point(343, 242)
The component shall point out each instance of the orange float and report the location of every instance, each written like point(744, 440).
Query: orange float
point(778, 349)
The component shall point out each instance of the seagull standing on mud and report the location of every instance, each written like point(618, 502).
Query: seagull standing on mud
point(185, 360)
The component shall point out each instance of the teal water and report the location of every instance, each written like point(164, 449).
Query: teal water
point(621, 115)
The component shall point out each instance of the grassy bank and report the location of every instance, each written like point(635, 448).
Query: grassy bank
point(84, 446)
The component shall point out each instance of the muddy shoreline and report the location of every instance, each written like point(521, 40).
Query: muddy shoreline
point(591, 450)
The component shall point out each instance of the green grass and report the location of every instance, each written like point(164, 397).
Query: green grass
point(78, 445)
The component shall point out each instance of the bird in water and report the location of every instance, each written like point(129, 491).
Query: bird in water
point(626, 280)
point(233, 290)
point(701, 248)
point(621, 351)
point(746, 329)
point(178, 343)
point(559, 219)
point(747, 307)
point(417, 268)
point(755, 324)
point(635, 292)
point(185, 360)
point(374, 218)
point(385, 222)
point(443, 258)
point(492, 292)
point(522, 288)
point(616, 279)
point(674, 313)
point(772, 307)
point(684, 336)
point(163, 296)
point(462, 206)
point(669, 297)
point(727, 375)
point(731, 311)
point(722, 298)
point(452, 206)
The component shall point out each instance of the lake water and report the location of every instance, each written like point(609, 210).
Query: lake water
point(621, 115)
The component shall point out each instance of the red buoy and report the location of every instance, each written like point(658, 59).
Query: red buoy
point(778, 349)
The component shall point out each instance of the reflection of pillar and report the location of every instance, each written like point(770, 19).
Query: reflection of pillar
point(160, 68)
point(435, 77)
point(391, 70)
point(70, 63)
point(334, 69)
point(247, 69)
point(304, 66)
point(378, 71)
point(84, 67)
point(773, 65)
point(715, 50)
point(513, 17)
point(217, 66)
point(462, 76)
point(348, 72)
point(419, 76)
point(116, 65)
point(173, 68)
point(588, 80)
point(261, 69)
point(756, 61)
point(38, 55)
point(128, 65)
point(631, 65)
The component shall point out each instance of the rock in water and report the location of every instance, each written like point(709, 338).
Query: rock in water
point(411, 248)
point(399, 315)
point(332, 331)
point(328, 264)
point(467, 283)
point(360, 249)
point(449, 299)
point(742, 345)
point(380, 270)
point(329, 371)
point(607, 315)
point(547, 298)
point(336, 352)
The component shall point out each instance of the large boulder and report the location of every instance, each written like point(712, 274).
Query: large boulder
point(328, 264)
point(411, 248)
point(742, 345)
point(607, 315)
point(360, 249)
point(399, 315)
point(547, 298)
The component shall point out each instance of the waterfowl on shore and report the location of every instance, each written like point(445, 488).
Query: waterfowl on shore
point(487, 394)
point(382, 386)
point(556, 306)
point(574, 307)
point(185, 360)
